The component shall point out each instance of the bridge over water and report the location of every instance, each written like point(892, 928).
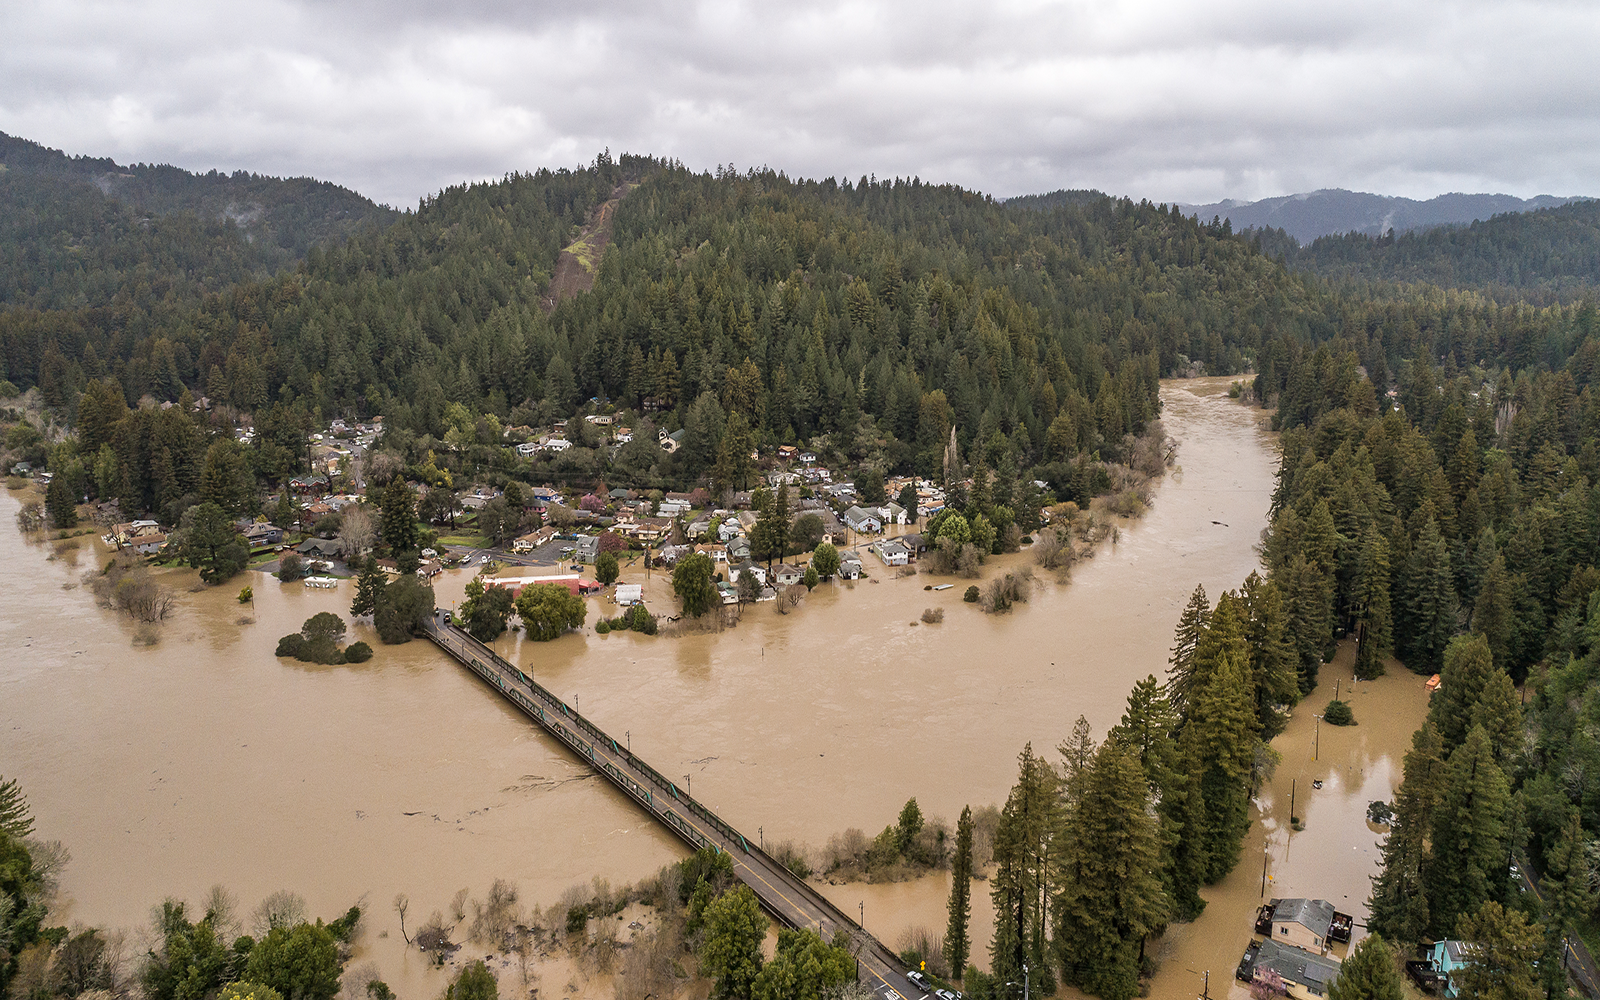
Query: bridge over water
point(785, 895)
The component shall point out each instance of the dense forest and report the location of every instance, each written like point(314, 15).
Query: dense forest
point(1546, 256)
point(83, 232)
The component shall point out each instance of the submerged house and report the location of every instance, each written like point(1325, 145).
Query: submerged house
point(1306, 976)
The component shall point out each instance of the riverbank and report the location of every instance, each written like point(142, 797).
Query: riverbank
point(205, 759)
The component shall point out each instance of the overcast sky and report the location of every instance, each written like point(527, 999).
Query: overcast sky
point(1166, 99)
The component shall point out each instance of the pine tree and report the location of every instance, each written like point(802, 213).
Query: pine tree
point(1111, 895)
point(1370, 606)
point(1191, 626)
point(369, 589)
point(1469, 833)
point(1491, 612)
point(956, 941)
point(1500, 964)
point(1499, 713)
point(1428, 617)
point(1272, 658)
point(1369, 972)
point(399, 515)
point(1219, 744)
point(1398, 907)
point(61, 504)
point(1146, 732)
point(1468, 665)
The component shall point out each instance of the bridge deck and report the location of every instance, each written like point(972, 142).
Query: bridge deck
point(785, 895)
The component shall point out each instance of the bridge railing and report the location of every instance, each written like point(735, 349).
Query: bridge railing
point(473, 653)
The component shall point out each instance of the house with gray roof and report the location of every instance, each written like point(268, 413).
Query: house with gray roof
point(587, 548)
point(863, 522)
point(1303, 923)
point(1305, 975)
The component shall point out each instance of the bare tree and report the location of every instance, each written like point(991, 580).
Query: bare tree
point(792, 596)
point(281, 909)
point(494, 919)
point(402, 903)
point(357, 533)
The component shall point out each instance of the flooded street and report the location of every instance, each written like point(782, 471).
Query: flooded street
point(204, 759)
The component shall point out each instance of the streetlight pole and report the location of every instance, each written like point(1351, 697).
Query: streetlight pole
point(863, 914)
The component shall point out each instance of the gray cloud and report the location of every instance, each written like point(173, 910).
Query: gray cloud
point(1154, 98)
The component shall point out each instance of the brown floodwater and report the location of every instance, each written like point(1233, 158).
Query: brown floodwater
point(204, 759)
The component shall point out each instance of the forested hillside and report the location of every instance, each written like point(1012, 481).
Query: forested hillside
point(1551, 255)
point(82, 231)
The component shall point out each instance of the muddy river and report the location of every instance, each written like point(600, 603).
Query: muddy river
point(203, 759)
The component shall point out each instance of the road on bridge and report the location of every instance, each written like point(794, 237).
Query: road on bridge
point(785, 895)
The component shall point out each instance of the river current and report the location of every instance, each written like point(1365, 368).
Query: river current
point(203, 759)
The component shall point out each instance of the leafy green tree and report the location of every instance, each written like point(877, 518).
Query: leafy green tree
point(825, 560)
point(22, 911)
point(805, 966)
point(1369, 972)
point(403, 607)
point(1500, 963)
point(957, 943)
point(475, 982)
point(370, 585)
point(191, 962)
point(300, 962)
point(731, 953)
point(549, 609)
point(285, 514)
point(244, 990)
point(210, 544)
point(811, 579)
point(322, 633)
point(691, 582)
point(606, 569)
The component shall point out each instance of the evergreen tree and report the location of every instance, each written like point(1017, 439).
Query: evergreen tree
point(1428, 617)
point(956, 941)
point(1191, 626)
point(1219, 744)
point(1370, 606)
point(1272, 657)
point(1468, 665)
point(1468, 862)
point(1369, 972)
point(1146, 732)
point(61, 505)
point(1500, 963)
point(369, 589)
point(1110, 896)
point(1492, 611)
point(398, 511)
point(1398, 908)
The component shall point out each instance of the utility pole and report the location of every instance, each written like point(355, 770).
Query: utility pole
point(1263, 867)
point(690, 783)
point(1316, 752)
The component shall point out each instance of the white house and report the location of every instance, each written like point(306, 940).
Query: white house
point(892, 553)
point(893, 513)
point(849, 565)
point(865, 522)
point(629, 594)
point(557, 445)
point(756, 571)
point(787, 575)
point(527, 449)
point(729, 530)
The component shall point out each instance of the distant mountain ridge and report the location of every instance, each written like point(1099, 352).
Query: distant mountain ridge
point(1335, 211)
point(75, 230)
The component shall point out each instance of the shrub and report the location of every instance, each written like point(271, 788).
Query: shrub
point(291, 567)
point(933, 616)
point(1338, 714)
point(1004, 591)
point(642, 620)
point(602, 627)
point(291, 645)
point(972, 595)
point(358, 652)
